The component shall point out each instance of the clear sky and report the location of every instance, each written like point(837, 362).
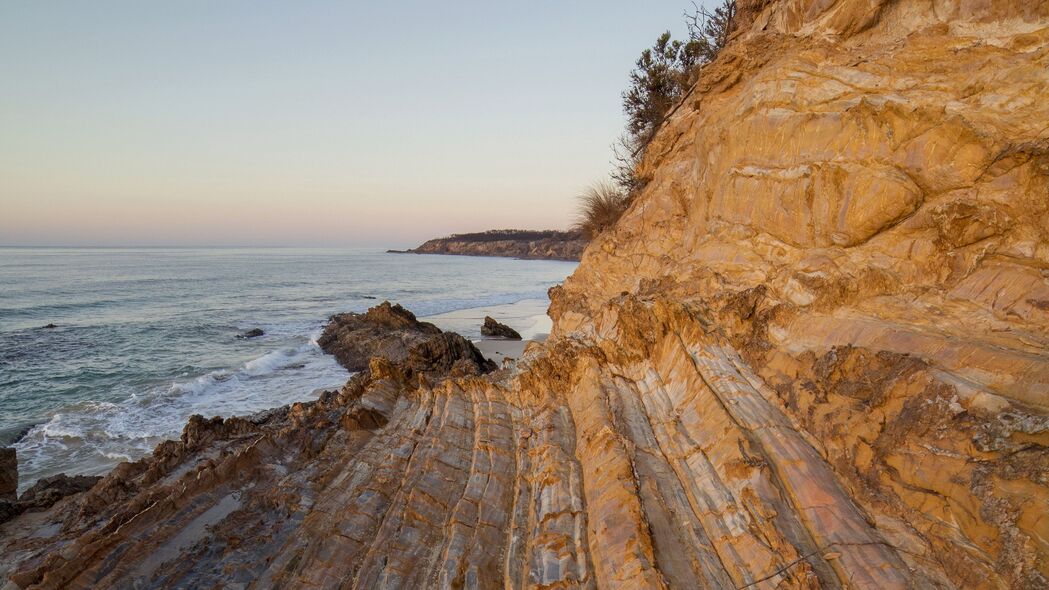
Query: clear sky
point(199, 122)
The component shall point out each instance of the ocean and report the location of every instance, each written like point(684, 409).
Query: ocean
point(145, 338)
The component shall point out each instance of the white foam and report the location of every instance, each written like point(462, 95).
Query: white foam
point(91, 437)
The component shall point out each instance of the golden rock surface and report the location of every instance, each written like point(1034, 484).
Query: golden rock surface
point(813, 354)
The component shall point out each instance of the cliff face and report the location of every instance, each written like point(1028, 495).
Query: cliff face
point(550, 245)
point(811, 355)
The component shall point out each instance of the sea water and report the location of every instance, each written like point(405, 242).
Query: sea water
point(145, 338)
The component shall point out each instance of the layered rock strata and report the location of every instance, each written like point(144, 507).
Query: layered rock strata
point(812, 354)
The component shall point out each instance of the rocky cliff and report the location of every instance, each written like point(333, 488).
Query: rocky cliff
point(813, 354)
point(551, 245)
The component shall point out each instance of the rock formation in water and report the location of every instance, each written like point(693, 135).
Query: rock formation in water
point(494, 329)
point(515, 243)
point(812, 354)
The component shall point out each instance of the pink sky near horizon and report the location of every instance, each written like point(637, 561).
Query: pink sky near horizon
point(325, 124)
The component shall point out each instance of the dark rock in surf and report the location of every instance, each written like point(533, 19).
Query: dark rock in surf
point(48, 490)
point(8, 474)
point(253, 333)
point(44, 493)
point(49, 327)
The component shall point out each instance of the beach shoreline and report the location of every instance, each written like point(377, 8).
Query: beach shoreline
point(527, 316)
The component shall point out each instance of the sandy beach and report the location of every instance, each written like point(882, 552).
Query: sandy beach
point(528, 317)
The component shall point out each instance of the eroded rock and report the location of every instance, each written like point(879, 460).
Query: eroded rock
point(810, 355)
point(48, 490)
point(495, 329)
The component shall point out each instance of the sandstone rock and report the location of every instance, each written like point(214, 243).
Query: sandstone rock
point(812, 354)
point(497, 330)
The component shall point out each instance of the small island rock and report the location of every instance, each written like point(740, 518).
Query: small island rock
point(495, 329)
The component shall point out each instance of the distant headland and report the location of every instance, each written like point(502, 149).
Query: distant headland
point(515, 243)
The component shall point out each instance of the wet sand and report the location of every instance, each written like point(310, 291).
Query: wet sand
point(528, 317)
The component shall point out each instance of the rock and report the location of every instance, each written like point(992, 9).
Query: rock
point(9, 510)
point(385, 330)
point(8, 474)
point(253, 333)
point(50, 327)
point(42, 495)
point(447, 353)
point(46, 491)
point(810, 355)
point(495, 329)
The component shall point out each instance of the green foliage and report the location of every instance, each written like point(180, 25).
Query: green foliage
point(710, 31)
point(600, 206)
point(661, 78)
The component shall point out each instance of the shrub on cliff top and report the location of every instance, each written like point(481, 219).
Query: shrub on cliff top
point(661, 78)
point(600, 207)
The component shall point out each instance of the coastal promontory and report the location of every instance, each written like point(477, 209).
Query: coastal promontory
point(514, 243)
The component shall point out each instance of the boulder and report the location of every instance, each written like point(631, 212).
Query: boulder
point(253, 333)
point(494, 329)
point(386, 330)
point(48, 490)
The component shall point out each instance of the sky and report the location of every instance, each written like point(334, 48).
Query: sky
point(258, 123)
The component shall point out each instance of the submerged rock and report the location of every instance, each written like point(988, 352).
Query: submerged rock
point(495, 329)
point(253, 333)
point(49, 327)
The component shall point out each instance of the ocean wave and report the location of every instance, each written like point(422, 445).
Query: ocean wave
point(89, 437)
point(161, 350)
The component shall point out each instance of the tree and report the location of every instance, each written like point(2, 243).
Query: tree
point(661, 78)
point(710, 30)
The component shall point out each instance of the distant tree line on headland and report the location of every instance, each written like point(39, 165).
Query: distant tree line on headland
point(662, 77)
point(499, 235)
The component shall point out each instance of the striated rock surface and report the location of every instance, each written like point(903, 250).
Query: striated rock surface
point(515, 243)
point(813, 354)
